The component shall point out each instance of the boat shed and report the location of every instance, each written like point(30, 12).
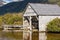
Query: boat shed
point(37, 16)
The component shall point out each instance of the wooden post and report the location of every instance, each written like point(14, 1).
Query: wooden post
point(30, 24)
point(30, 28)
point(23, 27)
point(23, 22)
point(30, 35)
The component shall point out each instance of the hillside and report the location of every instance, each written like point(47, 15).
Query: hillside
point(15, 7)
point(12, 7)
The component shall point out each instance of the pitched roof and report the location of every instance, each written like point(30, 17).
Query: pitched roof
point(46, 9)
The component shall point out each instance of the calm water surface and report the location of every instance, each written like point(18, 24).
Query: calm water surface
point(29, 36)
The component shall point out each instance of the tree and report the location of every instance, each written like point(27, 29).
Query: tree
point(58, 3)
point(54, 25)
point(6, 17)
point(52, 1)
point(1, 21)
point(11, 19)
point(15, 20)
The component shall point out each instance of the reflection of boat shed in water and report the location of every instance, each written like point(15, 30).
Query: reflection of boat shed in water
point(38, 15)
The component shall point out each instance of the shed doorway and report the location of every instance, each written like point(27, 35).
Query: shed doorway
point(31, 23)
point(35, 23)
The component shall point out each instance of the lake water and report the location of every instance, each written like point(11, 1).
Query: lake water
point(29, 36)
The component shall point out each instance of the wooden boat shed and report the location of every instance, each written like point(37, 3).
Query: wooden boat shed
point(37, 16)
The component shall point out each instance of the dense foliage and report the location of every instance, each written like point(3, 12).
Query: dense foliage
point(11, 19)
point(54, 25)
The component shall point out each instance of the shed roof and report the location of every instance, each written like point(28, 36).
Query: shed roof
point(46, 9)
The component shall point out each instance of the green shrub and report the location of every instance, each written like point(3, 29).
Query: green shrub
point(11, 19)
point(54, 25)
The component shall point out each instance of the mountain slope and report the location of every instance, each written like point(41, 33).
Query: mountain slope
point(12, 7)
point(16, 6)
